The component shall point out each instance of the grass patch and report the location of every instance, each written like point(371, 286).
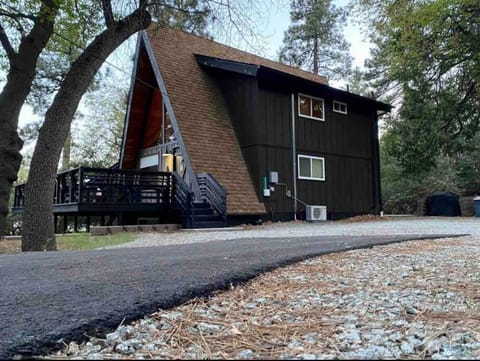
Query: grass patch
point(85, 241)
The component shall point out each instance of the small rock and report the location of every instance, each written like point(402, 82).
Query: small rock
point(310, 338)
point(353, 336)
point(112, 339)
point(307, 356)
point(72, 348)
point(294, 344)
point(172, 315)
point(149, 347)
point(208, 327)
point(135, 343)
point(407, 348)
point(434, 346)
point(124, 349)
point(125, 331)
point(245, 354)
point(410, 310)
point(94, 356)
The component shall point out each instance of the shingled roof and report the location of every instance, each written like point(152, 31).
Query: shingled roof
point(202, 114)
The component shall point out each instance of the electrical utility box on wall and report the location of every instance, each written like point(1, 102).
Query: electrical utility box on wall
point(273, 177)
point(316, 213)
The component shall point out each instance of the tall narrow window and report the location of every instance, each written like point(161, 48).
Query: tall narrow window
point(311, 167)
point(311, 107)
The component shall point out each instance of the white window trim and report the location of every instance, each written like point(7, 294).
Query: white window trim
point(310, 157)
point(311, 110)
point(339, 111)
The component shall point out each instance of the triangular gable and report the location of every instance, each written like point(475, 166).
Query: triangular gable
point(202, 116)
point(147, 99)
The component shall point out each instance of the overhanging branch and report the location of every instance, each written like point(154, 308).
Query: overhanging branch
point(7, 45)
point(108, 13)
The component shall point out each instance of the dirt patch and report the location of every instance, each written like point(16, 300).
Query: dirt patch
point(362, 218)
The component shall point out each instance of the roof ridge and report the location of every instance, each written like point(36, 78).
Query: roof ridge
point(308, 73)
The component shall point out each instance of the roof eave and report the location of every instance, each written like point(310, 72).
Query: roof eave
point(378, 104)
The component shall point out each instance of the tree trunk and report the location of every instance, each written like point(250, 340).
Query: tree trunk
point(19, 82)
point(67, 147)
point(38, 228)
point(316, 61)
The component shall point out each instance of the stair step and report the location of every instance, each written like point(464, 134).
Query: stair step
point(206, 217)
point(203, 211)
point(199, 205)
point(212, 224)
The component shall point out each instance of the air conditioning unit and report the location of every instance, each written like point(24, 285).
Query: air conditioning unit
point(316, 213)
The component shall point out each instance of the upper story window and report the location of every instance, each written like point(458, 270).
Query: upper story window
point(311, 167)
point(311, 107)
point(340, 107)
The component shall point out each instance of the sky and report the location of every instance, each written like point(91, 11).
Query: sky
point(279, 21)
point(271, 25)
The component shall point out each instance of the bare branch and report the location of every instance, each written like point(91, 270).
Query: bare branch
point(7, 45)
point(108, 13)
point(15, 14)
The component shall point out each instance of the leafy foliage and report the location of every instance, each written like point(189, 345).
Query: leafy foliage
point(98, 135)
point(315, 40)
point(427, 57)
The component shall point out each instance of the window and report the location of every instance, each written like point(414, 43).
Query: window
point(310, 107)
point(311, 167)
point(340, 107)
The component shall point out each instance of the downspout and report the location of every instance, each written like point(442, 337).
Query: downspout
point(294, 162)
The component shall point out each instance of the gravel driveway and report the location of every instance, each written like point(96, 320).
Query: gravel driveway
point(396, 225)
point(413, 300)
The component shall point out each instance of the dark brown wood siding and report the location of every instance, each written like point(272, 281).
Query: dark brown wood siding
point(261, 113)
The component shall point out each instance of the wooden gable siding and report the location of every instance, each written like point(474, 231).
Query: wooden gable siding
point(141, 100)
point(261, 115)
point(202, 116)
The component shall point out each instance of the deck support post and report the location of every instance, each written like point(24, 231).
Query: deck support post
point(88, 223)
point(55, 223)
point(75, 224)
point(65, 223)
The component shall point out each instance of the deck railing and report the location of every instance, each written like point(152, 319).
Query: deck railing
point(115, 186)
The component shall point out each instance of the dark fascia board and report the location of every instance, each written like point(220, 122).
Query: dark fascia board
point(228, 65)
point(259, 70)
point(336, 92)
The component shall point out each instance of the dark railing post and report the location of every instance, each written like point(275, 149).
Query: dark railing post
point(80, 184)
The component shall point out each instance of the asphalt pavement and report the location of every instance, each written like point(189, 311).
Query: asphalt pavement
point(47, 298)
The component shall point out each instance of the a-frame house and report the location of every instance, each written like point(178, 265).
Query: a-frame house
point(215, 136)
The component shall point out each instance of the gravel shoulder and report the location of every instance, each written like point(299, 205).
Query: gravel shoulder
point(410, 300)
point(403, 225)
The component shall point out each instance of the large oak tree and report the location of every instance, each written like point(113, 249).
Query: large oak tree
point(21, 63)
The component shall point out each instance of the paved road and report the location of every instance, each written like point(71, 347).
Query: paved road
point(46, 297)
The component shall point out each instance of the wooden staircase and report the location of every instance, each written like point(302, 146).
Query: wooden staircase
point(204, 216)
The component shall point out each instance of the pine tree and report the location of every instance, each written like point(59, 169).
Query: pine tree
point(315, 40)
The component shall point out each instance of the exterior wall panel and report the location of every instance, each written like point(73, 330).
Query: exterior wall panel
point(261, 114)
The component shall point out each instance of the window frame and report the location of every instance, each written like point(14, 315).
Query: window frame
point(311, 107)
point(310, 157)
point(339, 111)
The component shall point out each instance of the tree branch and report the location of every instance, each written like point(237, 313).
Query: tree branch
point(7, 45)
point(108, 13)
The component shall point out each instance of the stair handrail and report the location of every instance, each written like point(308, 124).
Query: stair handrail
point(213, 193)
point(183, 197)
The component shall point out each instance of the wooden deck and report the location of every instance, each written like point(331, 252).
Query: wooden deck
point(130, 195)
